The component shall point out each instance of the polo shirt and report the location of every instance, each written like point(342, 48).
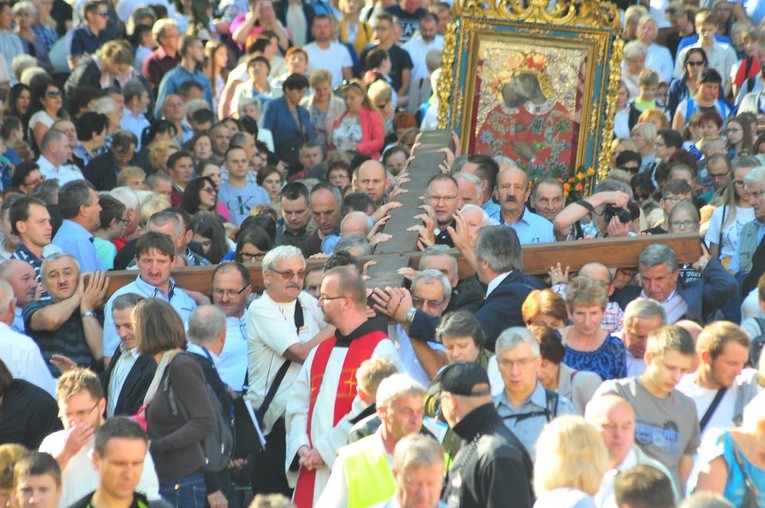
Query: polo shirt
point(531, 228)
point(78, 241)
point(85, 41)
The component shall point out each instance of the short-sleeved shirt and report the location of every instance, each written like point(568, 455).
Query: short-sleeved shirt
point(85, 41)
point(410, 21)
point(240, 200)
point(665, 429)
point(332, 59)
point(67, 340)
point(608, 361)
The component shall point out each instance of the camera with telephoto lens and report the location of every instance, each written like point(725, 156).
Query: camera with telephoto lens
point(625, 215)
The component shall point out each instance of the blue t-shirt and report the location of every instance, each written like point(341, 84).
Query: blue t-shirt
point(608, 361)
point(240, 200)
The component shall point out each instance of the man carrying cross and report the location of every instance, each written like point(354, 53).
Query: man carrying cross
point(327, 380)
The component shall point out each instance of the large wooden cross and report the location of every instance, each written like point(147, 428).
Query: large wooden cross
point(401, 250)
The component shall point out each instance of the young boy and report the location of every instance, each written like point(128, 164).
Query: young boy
point(37, 481)
point(648, 84)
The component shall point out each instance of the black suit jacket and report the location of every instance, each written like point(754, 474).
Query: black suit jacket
point(501, 310)
point(136, 384)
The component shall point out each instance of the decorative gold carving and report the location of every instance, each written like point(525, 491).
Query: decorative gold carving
point(613, 90)
point(578, 12)
point(450, 42)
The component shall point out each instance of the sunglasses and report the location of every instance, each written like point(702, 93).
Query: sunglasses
point(53, 95)
point(696, 64)
point(289, 274)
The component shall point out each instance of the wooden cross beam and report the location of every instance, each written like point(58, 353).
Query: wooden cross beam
point(401, 250)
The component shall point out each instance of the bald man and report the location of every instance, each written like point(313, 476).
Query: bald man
point(614, 418)
point(355, 223)
point(511, 194)
point(372, 179)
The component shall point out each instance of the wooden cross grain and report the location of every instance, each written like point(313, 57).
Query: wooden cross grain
point(401, 250)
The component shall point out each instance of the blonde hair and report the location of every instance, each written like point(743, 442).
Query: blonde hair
point(570, 453)
point(158, 152)
point(152, 204)
point(116, 52)
point(371, 372)
point(543, 302)
point(128, 173)
point(74, 381)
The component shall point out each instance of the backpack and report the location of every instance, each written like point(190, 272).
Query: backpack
point(755, 349)
point(217, 447)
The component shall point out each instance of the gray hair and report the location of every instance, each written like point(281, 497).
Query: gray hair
point(126, 301)
point(395, 386)
point(206, 324)
point(500, 248)
point(745, 161)
point(24, 6)
point(431, 275)
point(440, 251)
point(647, 129)
point(434, 59)
point(55, 257)
point(657, 254)
point(133, 88)
point(279, 254)
point(706, 500)
point(417, 450)
point(486, 218)
point(459, 163)
point(644, 308)
point(351, 241)
point(633, 49)
point(6, 296)
point(755, 176)
point(514, 337)
point(20, 63)
point(50, 137)
point(104, 105)
point(469, 177)
point(611, 184)
point(127, 196)
point(163, 217)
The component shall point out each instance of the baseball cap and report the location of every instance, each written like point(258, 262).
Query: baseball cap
point(465, 378)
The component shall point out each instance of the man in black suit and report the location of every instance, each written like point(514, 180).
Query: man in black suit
point(129, 373)
point(498, 264)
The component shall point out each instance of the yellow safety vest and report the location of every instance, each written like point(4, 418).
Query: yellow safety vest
point(367, 474)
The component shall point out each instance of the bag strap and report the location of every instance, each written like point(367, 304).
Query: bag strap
point(747, 481)
point(722, 225)
point(711, 409)
point(299, 321)
point(551, 399)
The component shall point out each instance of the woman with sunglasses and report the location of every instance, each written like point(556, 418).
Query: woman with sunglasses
point(732, 214)
point(46, 106)
point(685, 86)
point(200, 195)
point(360, 129)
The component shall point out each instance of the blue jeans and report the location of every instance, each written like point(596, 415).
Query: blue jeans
point(185, 492)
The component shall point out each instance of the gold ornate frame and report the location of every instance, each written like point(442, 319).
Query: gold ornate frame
point(575, 29)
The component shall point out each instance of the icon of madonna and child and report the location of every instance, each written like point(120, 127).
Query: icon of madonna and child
point(527, 107)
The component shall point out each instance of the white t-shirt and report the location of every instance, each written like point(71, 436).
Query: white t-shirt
point(332, 59)
point(702, 397)
point(731, 232)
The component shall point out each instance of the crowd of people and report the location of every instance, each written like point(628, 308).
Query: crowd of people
point(199, 133)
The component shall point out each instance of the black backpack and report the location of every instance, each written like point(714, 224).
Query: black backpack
point(217, 447)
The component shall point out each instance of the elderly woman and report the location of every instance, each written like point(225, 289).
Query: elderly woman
point(643, 134)
point(180, 383)
point(634, 55)
point(323, 107)
point(113, 59)
point(296, 60)
point(571, 460)
point(360, 129)
point(588, 346)
point(258, 86)
point(578, 386)
point(657, 57)
point(730, 461)
point(25, 15)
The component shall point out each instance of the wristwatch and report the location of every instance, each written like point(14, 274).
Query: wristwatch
point(88, 314)
point(410, 315)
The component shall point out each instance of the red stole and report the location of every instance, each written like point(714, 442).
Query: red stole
point(361, 349)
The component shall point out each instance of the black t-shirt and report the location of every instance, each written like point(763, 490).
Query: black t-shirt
point(399, 61)
point(410, 22)
point(27, 414)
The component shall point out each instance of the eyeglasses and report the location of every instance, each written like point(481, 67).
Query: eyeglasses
point(324, 298)
point(672, 198)
point(227, 292)
point(437, 199)
point(718, 176)
point(79, 414)
point(289, 274)
point(430, 303)
point(757, 194)
point(733, 129)
point(682, 224)
point(696, 63)
point(53, 95)
point(631, 169)
point(210, 190)
point(521, 362)
point(250, 256)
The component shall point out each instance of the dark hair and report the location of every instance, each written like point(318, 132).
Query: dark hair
point(89, 124)
point(486, 168)
point(202, 115)
point(233, 266)
point(628, 156)
point(111, 209)
point(138, 31)
point(6, 378)
point(461, 323)
point(196, 137)
point(20, 210)
point(21, 173)
point(190, 198)
point(123, 141)
point(293, 191)
point(80, 97)
point(711, 116)
point(672, 138)
point(692, 51)
point(375, 58)
point(709, 75)
point(13, 97)
point(10, 124)
point(343, 258)
point(295, 82)
point(72, 196)
point(151, 240)
point(157, 325)
point(550, 346)
point(126, 301)
point(161, 126)
point(207, 225)
point(118, 427)
point(357, 202)
point(36, 463)
point(393, 151)
point(253, 235)
point(174, 158)
point(39, 90)
point(92, 6)
point(258, 58)
point(266, 172)
point(264, 221)
point(644, 486)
